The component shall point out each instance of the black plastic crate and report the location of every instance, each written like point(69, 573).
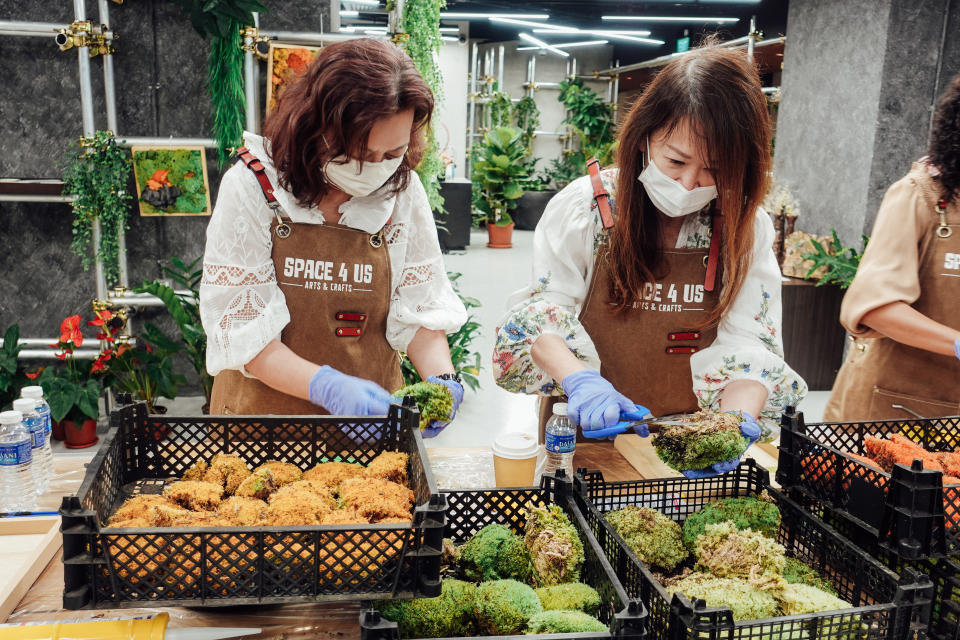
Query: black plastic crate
point(471, 510)
point(912, 512)
point(886, 605)
point(108, 567)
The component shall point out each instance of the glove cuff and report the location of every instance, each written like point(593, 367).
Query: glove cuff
point(956, 348)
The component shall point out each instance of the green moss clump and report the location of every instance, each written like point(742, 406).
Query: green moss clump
point(433, 399)
point(655, 538)
point(504, 607)
point(727, 552)
point(449, 614)
point(554, 544)
point(746, 601)
point(802, 598)
point(716, 438)
point(745, 513)
point(565, 622)
point(574, 596)
point(495, 553)
point(796, 572)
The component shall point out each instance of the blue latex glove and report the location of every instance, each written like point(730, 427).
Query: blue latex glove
point(750, 428)
point(456, 390)
point(956, 348)
point(592, 402)
point(626, 417)
point(344, 395)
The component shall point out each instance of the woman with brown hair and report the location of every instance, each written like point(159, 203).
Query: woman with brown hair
point(322, 260)
point(655, 281)
point(902, 307)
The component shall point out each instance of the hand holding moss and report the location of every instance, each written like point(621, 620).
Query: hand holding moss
point(456, 390)
point(437, 402)
point(714, 446)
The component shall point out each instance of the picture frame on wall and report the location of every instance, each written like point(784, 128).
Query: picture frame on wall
point(285, 62)
point(171, 181)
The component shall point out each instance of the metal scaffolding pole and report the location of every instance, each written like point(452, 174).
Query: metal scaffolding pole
point(249, 83)
point(139, 141)
point(18, 28)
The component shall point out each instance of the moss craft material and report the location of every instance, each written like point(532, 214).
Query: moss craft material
point(575, 596)
point(504, 607)
point(433, 399)
point(495, 553)
point(656, 539)
point(757, 513)
point(745, 601)
point(727, 552)
point(565, 622)
point(796, 572)
point(449, 614)
point(171, 181)
point(554, 544)
point(716, 438)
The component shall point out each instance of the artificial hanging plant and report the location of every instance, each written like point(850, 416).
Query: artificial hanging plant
point(222, 21)
point(591, 123)
point(97, 173)
point(421, 26)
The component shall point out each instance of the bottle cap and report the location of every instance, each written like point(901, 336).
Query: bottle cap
point(11, 417)
point(34, 391)
point(24, 405)
point(560, 409)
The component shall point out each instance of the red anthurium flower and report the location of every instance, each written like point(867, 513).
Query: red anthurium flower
point(33, 376)
point(70, 330)
point(98, 366)
point(103, 317)
point(61, 356)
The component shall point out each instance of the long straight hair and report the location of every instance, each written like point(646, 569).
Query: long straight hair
point(717, 93)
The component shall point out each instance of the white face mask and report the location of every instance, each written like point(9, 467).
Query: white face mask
point(350, 179)
point(669, 196)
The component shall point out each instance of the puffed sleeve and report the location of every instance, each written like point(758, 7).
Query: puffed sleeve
point(423, 295)
point(241, 306)
point(889, 269)
point(748, 344)
point(563, 255)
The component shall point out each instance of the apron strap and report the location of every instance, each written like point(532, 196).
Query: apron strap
point(713, 259)
point(601, 198)
point(253, 163)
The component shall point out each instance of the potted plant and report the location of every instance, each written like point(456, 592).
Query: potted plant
point(13, 376)
point(500, 175)
point(73, 391)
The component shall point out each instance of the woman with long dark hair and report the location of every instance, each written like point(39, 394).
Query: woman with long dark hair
point(322, 260)
point(655, 282)
point(903, 307)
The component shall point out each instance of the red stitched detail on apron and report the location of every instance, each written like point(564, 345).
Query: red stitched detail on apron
point(351, 317)
point(683, 335)
point(674, 351)
point(349, 332)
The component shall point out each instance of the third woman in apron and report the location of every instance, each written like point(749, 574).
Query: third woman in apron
point(655, 282)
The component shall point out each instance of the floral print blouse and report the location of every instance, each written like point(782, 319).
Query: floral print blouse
point(748, 344)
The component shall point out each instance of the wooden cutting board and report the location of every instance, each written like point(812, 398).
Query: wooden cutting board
point(640, 453)
point(26, 546)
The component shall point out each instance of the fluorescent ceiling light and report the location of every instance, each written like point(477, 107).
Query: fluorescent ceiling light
point(349, 14)
point(543, 45)
point(672, 19)
point(449, 29)
point(541, 26)
point(366, 3)
point(572, 31)
point(616, 36)
point(568, 45)
point(484, 16)
point(449, 39)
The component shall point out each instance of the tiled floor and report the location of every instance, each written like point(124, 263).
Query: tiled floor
point(490, 275)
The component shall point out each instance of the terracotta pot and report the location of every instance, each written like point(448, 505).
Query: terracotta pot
point(78, 438)
point(56, 430)
point(500, 236)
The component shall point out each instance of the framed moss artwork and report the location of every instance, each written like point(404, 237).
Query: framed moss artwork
point(284, 64)
point(171, 181)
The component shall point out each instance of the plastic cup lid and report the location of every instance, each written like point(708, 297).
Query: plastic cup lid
point(10, 417)
point(23, 405)
point(34, 391)
point(515, 445)
point(560, 409)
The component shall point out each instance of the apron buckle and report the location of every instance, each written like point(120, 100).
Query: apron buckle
point(944, 230)
point(376, 239)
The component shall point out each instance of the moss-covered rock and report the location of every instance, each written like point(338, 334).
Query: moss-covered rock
point(573, 596)
point(504, 607)
point(745, 513)
point(565, 622)
point(495, 553)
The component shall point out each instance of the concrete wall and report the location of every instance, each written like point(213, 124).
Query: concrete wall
point(549, 68)
point(860, 79)
point(451, 120)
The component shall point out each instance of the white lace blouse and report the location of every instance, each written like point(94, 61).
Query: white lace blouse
point(241, 306)
point(748, 344)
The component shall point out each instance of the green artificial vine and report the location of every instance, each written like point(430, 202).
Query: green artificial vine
point(526, 115)
point(97, 173)
point(222, 21)
point(421, 22)
point(500, 109)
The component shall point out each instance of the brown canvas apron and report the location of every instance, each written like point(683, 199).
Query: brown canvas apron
point(879, 372)
point(645, 351)
point(337, 286)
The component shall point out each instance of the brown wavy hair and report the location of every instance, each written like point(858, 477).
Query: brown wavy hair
point(331, 109)
point(717, 92)
point(945, 140)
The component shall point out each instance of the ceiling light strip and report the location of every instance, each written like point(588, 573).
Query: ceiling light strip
point(540, 43)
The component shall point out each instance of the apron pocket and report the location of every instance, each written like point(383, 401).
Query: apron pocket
point(881, 402)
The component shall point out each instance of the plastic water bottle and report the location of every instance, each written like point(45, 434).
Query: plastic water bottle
point(37, 427)
point(560, 442)
point(16, 479)
point(35, 393)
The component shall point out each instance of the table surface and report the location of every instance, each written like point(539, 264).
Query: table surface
point(277, 622)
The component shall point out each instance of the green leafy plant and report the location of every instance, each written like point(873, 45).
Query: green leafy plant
point(185, 311)
point(72, 391)
point(841, 262)
point(526, 116)
point(217, 18)
point(179, 169)
point(591, 122)
point(96, 172)
point(500, 173)
point(146, 369)
point(500, 108)
point(421, 24)
point(466, 362)
point(12, 376)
